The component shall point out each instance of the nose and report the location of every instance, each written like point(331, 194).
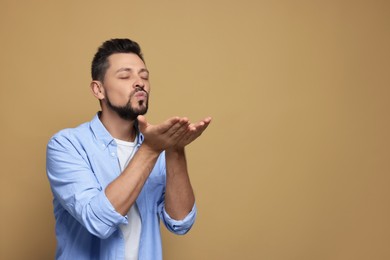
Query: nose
point(139, 84)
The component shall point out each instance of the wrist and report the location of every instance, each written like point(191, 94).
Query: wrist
point(175, 150)
point(150, 150)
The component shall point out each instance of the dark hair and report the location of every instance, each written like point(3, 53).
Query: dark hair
point(100, 60)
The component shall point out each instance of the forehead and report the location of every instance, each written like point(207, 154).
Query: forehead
point(125, 60)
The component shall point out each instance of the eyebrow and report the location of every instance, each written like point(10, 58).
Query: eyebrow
point(129, 69)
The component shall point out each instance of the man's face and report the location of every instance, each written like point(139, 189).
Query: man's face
point(126, 86)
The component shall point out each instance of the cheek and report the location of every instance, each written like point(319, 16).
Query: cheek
point(118, 96)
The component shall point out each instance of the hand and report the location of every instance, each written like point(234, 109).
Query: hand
point(165, 135)
point(193, 132)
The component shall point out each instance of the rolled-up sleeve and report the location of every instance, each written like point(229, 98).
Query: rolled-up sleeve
point(77, 189)
point(179, 227)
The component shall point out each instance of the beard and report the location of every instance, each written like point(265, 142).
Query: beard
point(128, 112)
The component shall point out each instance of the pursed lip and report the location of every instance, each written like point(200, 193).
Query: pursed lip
point(141, 94)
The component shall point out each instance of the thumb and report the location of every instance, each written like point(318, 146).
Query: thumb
point(142, 123)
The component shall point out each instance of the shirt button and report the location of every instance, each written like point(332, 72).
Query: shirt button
point(113, 154)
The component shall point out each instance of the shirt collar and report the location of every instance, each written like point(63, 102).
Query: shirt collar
point(140, 136)
point(103, 136)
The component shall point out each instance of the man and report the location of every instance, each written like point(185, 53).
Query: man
point(115, 177)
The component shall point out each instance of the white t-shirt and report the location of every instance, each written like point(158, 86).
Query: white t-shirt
point(132, 231)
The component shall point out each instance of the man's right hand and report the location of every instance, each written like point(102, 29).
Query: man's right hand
point(162, 136)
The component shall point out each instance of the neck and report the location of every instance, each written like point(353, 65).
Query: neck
point(118, 127)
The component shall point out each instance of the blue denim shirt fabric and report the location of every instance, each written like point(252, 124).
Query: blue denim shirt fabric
point(80, 163)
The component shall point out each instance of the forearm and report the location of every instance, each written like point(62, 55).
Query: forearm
point(124, 190)
point(179, 196)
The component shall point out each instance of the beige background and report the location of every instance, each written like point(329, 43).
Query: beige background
point(296, 162)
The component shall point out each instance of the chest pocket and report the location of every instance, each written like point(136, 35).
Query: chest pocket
point(105, 169)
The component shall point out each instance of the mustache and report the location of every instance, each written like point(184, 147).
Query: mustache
point(138, 89)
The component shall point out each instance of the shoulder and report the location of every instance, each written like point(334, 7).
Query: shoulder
point(70, 135)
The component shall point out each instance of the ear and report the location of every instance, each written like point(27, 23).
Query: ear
point(97, 89)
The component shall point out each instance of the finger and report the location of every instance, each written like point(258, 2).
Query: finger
point(179, 128)
point(207, 120)
point(142, 123)
point(167, 125)
point(202, 125)
point(196, 130)
point(189, 136)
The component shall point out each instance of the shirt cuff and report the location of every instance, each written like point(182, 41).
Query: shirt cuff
point(105, 212)
point(180, 227)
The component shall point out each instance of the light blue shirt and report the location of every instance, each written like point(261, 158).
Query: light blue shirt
point(80, 163)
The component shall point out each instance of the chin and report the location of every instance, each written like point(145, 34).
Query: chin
point(141, 110)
